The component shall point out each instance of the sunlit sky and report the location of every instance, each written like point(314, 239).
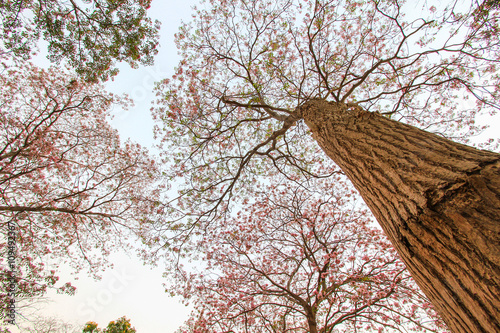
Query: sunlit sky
point(131, 289)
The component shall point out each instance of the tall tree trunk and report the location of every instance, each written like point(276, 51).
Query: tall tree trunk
point(311, 319)
point(438, 202)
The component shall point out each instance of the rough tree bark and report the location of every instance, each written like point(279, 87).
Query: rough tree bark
point(438, 202)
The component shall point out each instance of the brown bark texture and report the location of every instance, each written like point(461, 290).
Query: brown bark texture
point(311, 319)
point(438, 201)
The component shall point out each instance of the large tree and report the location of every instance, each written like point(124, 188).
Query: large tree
point(304, 258)
point(70, 191)
point(260, 81)
point(90, 35)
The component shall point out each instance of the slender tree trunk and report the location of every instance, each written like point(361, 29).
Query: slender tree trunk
point(438, 202)
point(311, 320)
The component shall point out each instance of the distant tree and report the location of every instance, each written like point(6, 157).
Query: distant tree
point(90, 35)
point(301, 260)
point(49, 325)
point(379, 86)
point(70, 189)
point(91, 327)
point(121, 325)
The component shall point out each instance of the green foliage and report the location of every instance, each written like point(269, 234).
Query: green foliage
point(91, 327)
point(91, 36)
point(484, 16)
point(121, 325)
